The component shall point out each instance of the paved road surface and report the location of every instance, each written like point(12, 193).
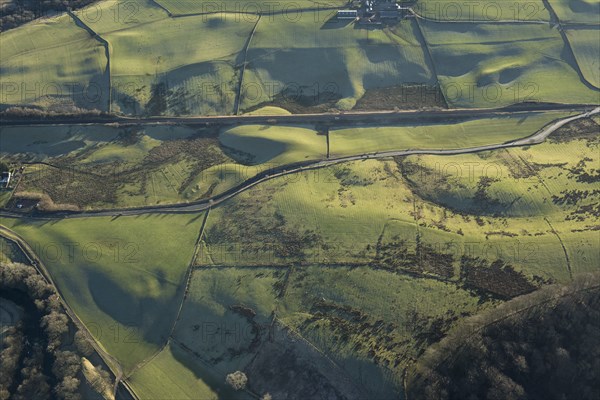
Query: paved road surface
point(201, 205)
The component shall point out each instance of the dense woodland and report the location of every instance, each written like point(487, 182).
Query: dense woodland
point(541, 346)
point(18, 12)
point(44, 366)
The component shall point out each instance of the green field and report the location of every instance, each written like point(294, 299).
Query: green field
point(500, 200)
point(106, 166)
point(486, 65)
point(186, 7)
point(255, 149)
point(333, 310)
point(301, 63)
point(124, 277)
point(487, 11)
point(291, 57)
point(53, 64)
point(586, 46)
point(175, 374)
point(158, 67)
point(37, 143)
point(476, 132)
point(276, 145)
point(366, 263)
point(577, 11)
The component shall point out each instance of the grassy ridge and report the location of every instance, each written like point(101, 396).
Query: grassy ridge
point(514, 204)
point(274, 144)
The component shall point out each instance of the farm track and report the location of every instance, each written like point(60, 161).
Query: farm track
point(202, 205)
point(563, 248)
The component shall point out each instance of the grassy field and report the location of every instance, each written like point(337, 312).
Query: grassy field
point(175, 374)
point(122, 276)
point(276, 145)
point(329, 321)
point(159, 67)
point(294, 57)
point(365, 212)
point(586, 46)
point(487, 10)
point(351, 271)
point(487, 65)
point(53, 63)
point(184, 7)
point(178, 74)
point(510, 204)
point(301, 64)
point(37, 143)
point(106, 166)
point(577, 11)
point(477, 132)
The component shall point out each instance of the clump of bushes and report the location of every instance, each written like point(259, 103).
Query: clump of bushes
point(237, 380)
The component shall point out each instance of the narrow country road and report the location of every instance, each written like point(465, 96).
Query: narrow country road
point(380, 117)
point(201, 205)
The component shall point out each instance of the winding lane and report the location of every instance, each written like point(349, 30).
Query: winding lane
point(202, 205)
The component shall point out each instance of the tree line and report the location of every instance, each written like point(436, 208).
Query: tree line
point(19, 12)
point(545, 345)
point(48, 368)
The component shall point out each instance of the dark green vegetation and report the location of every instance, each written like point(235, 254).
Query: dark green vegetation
point(17, 12)
point(541, 346)
point(41, 353)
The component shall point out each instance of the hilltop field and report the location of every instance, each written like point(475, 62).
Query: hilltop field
point(176, 57)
